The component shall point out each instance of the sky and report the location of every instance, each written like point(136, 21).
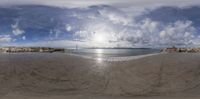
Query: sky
point(100, 23)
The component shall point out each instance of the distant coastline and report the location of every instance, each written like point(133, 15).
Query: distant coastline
point(30, 49)
point(181, 50)
point(14, 49)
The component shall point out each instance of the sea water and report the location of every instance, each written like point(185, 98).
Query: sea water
point(115, 52)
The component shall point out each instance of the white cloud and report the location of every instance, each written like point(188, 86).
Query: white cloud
point(180, 32)
point(57, 33)
point(56, 43)
point(149, 26)
point(131, 7)
point(98, 34)
point(196, 41)
point(16, 30)
point(146, 33)
point(5, 38)
point(118, 3)
point(163, 34)
point(117, 28)
point(23, 37)
point(152, 33)
point(114, 28)
point(140, 34)
point(116, 17)
point(68, 27)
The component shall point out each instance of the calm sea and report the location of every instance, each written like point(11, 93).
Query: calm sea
point(104, 52)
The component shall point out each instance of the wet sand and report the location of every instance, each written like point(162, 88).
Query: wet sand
point(62, 76)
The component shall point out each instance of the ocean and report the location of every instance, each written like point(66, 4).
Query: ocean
point(115, 52)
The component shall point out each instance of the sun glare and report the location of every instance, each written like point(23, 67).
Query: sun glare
point(100, 34)
point(99, 51)
point(99, 38)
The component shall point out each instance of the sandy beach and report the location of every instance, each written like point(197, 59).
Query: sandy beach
point(63, 76)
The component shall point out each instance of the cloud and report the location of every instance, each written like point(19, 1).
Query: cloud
point(115, 16)
point(96, 26)
point(178, 33)
point(116, 27)
point(146, 33)
point(132, 7)
point(68, 27)
point(196, 41)
point(55, 43)
point(85, 3)
point(16, 30)
point(23, 37)
point(5, 38)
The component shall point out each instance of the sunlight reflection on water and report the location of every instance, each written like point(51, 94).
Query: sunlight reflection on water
point(99, 53)
point(99, 60)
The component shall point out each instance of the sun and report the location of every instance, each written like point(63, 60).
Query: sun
point(100, 35)
point(99, 38)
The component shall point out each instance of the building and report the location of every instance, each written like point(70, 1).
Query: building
point(170, 50)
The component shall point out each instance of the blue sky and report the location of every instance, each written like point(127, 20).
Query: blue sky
point(100, 23)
